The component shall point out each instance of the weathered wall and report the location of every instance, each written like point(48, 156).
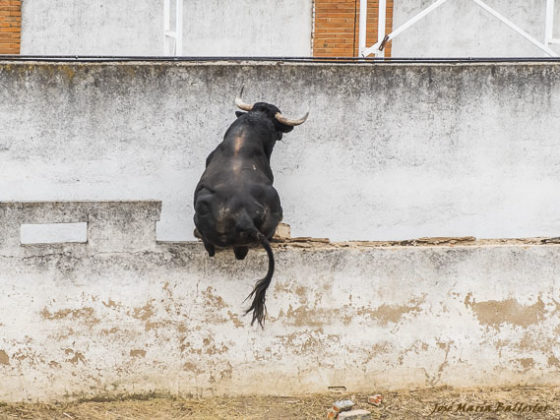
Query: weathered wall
point(135, 27)
point(124, 314)
point(388, 152)
point(464, 29)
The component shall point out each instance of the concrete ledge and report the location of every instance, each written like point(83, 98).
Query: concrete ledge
point(112, 225)
point(167, 317)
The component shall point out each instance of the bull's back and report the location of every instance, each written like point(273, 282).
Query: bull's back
point(237, 170)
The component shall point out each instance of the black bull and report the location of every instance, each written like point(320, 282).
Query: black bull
point(235, 203)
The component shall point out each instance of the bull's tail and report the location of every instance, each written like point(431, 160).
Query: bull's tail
point(258, 294)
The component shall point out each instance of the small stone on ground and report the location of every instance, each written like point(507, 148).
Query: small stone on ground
point(355, 415)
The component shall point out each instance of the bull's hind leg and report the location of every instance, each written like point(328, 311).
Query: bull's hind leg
point(240, 252)
point(210, 248)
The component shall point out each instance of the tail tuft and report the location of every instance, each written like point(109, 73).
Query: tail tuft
point(258, 294)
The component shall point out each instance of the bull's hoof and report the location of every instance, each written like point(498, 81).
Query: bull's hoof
point(240, 252)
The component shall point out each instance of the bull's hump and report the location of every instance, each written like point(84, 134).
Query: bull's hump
point(238, 144)
point(241, 148)
point(236, 139)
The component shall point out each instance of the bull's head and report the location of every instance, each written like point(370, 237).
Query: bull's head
point(281, 122)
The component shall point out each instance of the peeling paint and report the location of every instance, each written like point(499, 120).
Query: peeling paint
point(305, 316)
point(210, 347)
point(137, 353)
point(78, 357)
point(380, 348)
point(526, 363)
point(145, 312)
point(432, 380)
point(213, 300)
point(4, 358)
point(493, 313)
point(155, 325)
point(85, 314)
point(110, 304)
point(235, 319)
point(300, 343)
point(227, 374)
point(392, 313)
point(191, 367)
point(553, 362)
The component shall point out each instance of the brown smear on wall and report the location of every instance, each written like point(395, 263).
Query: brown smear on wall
point(337, 26)
point(10, 26)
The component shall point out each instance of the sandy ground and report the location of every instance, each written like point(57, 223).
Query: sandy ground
point(413, 404)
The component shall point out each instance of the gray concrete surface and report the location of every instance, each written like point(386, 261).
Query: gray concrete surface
point(135, 27)
point(132, 315)
point(389, 152)
point(460, 28)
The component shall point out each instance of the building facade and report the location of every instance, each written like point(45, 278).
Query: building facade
point(277, 28)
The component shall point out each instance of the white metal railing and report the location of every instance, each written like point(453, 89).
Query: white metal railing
point(549, 25)
point(382, 38)
point(173, 39)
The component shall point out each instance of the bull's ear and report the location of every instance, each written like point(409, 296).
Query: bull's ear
point(239, 113)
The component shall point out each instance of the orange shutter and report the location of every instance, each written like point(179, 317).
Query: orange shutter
point(336, 27)
point(10, 26)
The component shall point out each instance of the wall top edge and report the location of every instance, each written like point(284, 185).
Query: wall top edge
point(78, 203)
point(311, 246)
point(12, 213)
point(429, 242)
point(227, 62)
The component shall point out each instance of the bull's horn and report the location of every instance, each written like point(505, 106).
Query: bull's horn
point(287, 121)
point(240, 104)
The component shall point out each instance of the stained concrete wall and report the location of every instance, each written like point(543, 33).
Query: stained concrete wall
point(135, 27)
point(132, 315)
point(463, 29)
point(389, 152)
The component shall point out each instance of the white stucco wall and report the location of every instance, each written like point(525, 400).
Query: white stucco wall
point(122, 314)
point(460, 28)
point(135, 27)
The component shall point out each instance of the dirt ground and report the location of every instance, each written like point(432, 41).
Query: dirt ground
point(409, 404)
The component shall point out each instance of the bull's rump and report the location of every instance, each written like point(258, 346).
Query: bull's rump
point(230, 214)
